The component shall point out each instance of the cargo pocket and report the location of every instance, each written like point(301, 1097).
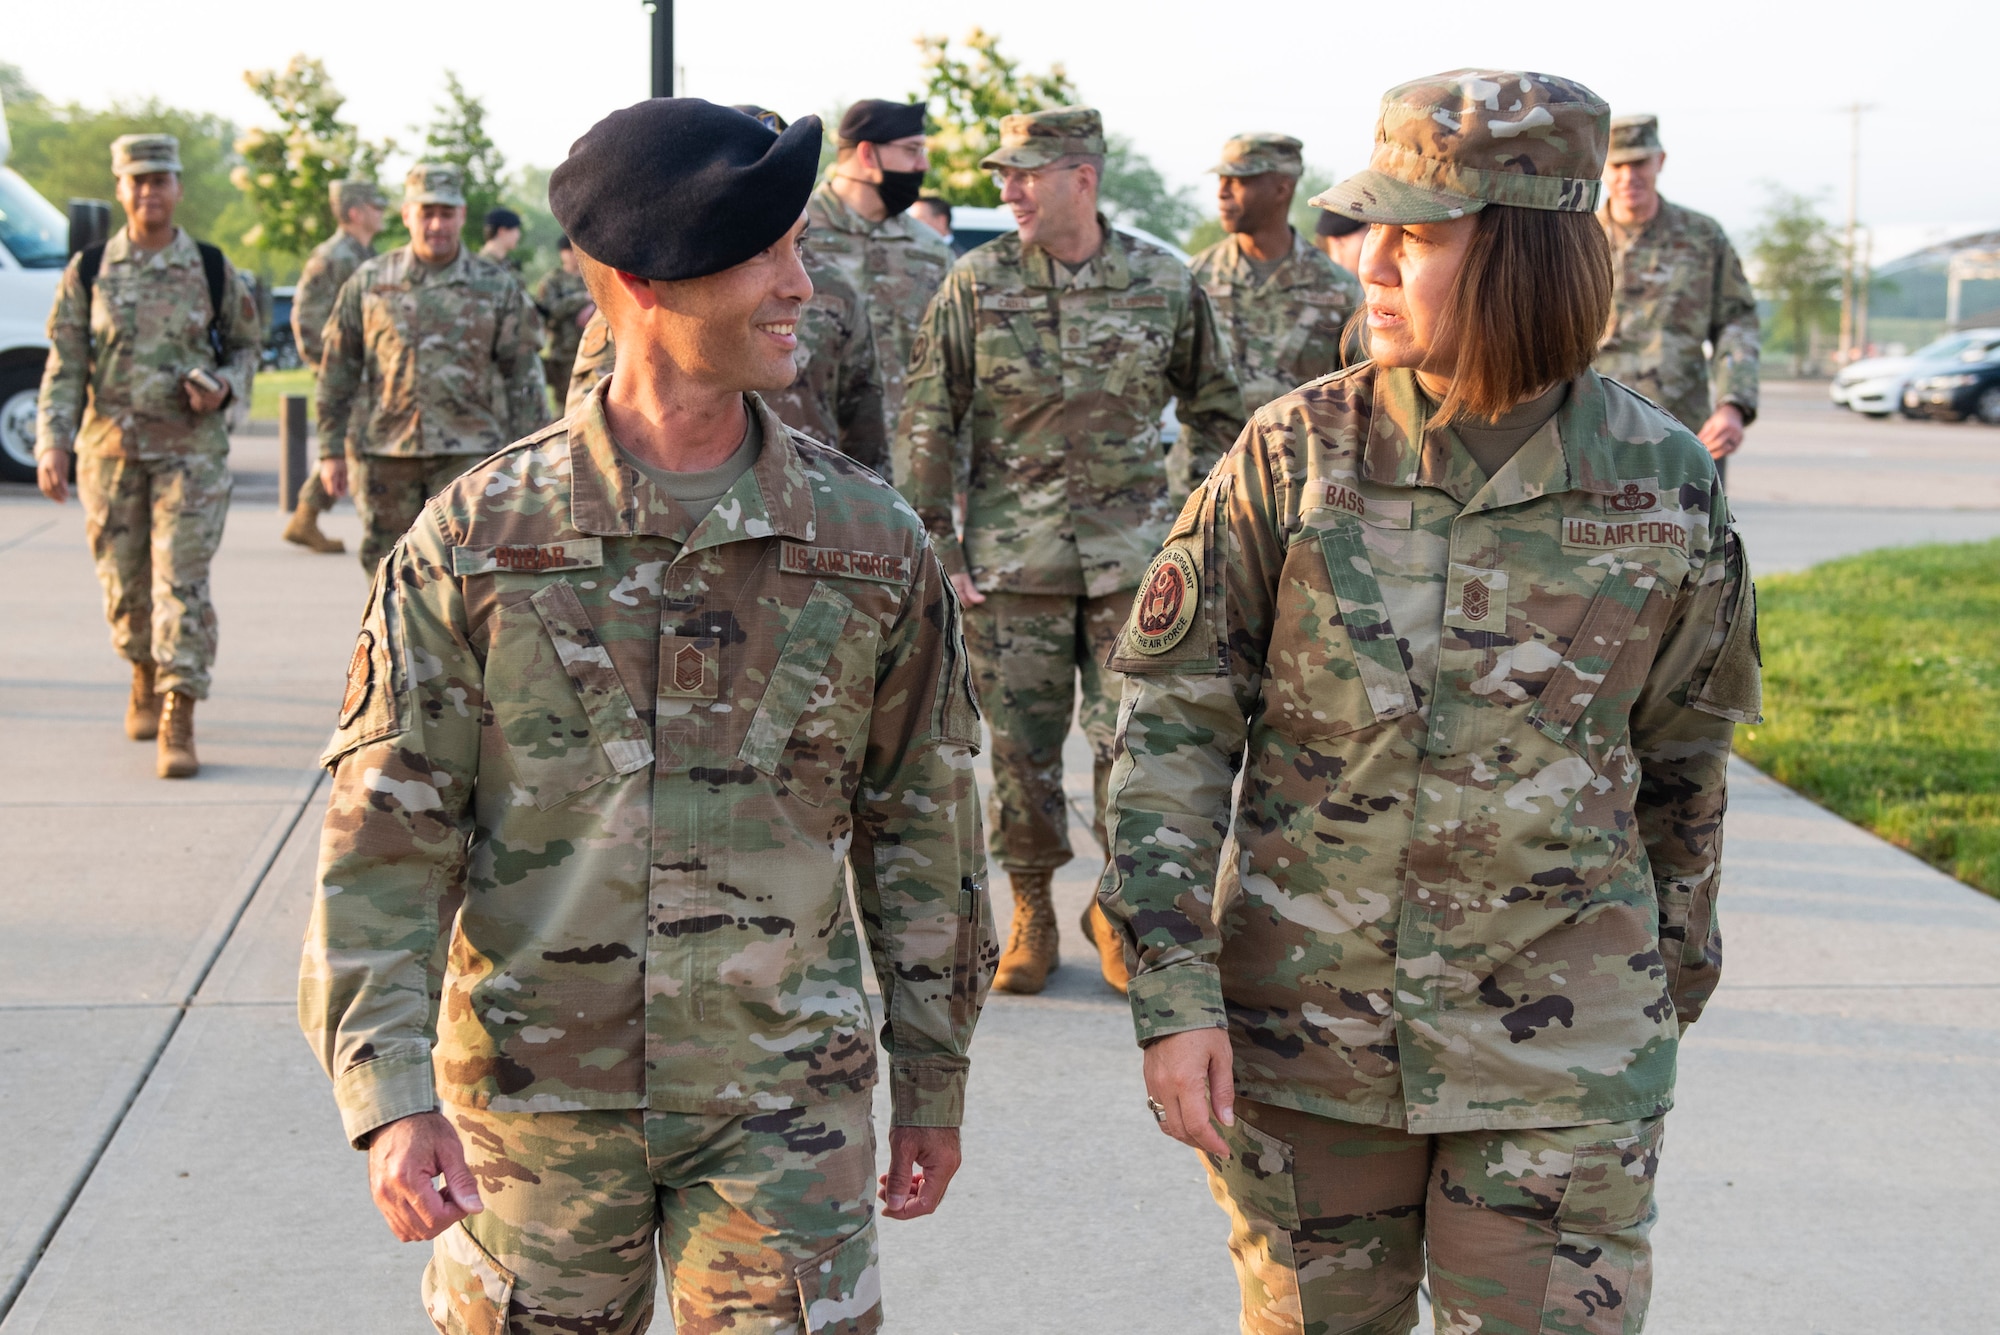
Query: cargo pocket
point(1601, 1275)
point(840, 1291)
point(1584, 674)
point(1256, 1188)
point(1734, 687)
point(466, 1291)
point(558, 700)
point(805, 725)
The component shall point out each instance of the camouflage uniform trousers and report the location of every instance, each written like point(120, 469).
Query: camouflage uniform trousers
point(153, 526)
point(1027, 652)
point(390, 491)
point(764, 1222)
point(1528, 1231)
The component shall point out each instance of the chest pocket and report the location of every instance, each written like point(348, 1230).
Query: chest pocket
point(557, 699)
point(808, 728)
point(1601, 670)
point(1335, 665)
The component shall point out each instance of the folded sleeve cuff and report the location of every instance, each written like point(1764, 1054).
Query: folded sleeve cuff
point(1176, 999)
point(926, 1094)
point(379, 1092)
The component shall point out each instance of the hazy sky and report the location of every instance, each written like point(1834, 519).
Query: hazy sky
point(1747, 92)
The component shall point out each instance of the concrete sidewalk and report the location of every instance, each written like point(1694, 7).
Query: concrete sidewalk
point(174, 1147)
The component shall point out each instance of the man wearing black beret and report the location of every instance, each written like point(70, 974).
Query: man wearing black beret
point(649, 685)
point(861, 224)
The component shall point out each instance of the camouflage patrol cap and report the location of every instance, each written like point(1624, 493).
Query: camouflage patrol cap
point(1451, 144)
point(1258, 154)
point(138, 154)
point(1633, 139)
point(1038, 138)
point(353, 193)
point(434, 183)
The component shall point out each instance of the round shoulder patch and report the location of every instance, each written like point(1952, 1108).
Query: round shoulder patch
point(360, 676)
point(1169, 597)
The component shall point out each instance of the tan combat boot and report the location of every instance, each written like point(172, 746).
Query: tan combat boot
point(177, 758)
point(142, 715)
point(1110, 947)
point(304, 530)
point(1031, 946)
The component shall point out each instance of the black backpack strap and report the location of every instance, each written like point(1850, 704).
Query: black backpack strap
point(91, 259)
point(214, 270)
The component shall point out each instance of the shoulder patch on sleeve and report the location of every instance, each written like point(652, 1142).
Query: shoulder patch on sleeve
point(377, 700)
point(1176, 623)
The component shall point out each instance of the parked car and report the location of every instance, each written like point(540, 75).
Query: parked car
point(281, 350)
point(972, 226)
point(1967, 385)
point(34, 247)
point(1874, 386)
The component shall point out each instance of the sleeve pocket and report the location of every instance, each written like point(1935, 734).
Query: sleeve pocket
point(802, 665)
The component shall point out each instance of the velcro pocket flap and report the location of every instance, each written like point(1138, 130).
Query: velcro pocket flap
point(583, 656)
point(801, 664)
point(840, 1290)
point(1377, 655)
point(1599, 639)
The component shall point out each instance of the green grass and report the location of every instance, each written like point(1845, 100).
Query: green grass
point(268, 390)
point(1882, 698)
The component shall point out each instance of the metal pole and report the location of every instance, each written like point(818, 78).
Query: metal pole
point(292, 452)
point(1847, 251)
point(663, 46)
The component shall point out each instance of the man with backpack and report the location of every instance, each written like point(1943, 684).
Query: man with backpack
point(152, 336)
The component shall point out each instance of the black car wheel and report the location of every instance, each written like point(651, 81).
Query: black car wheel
point(20, 387)
point(1988, 406)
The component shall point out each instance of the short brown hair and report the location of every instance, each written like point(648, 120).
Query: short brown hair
point(1528, 309)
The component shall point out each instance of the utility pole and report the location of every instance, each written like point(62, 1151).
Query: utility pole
point(663, 46)
point(1848, 278)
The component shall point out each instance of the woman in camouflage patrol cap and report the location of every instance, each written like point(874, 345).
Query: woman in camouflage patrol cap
point(1475, 622)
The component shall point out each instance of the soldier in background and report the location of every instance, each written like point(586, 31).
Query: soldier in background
point(933, 212)
point(1283, 302)
point(1339, 238)
point(431, 328)
point(152, 336)
point(861, 225)
point(563, 303)
point(1678, 286)
point(501, 229)
point(654, 683)
point(1058, 346)
point(357, 207)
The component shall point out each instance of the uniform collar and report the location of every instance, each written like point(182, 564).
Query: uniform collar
point(1572, 451)
point(609, 498)
point(1661, 221)
point(455, 272)
point(1110, 267)
point(181, 250)
point(836, 215)
point(1291, 270)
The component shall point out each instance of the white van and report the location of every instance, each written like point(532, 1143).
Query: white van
point(34, 248)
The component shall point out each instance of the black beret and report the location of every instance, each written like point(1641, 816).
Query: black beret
point(676, 187)
point(1337, 224)
point(875, 121)
point(502, 218)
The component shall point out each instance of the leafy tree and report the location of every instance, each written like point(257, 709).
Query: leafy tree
point(286, 172)
point(528, 195)
point(1796, 260)
point(457, 134)
point(967, 95)
point(1133, 191)
point(65, 153)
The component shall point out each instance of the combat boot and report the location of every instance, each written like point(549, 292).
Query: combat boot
point(1031, 954)
point(142, 715)
point(1098, 931)
point(304, 529)
point(177, 758)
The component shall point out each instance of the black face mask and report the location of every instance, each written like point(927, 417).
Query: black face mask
point(899, 190)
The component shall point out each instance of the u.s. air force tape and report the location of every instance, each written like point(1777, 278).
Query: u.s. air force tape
point(1168, 599)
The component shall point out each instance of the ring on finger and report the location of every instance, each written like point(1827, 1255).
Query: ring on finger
point(1159, 1109)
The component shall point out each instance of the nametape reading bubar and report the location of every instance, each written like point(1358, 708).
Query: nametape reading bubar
point(796, 558)
point(1598, 534)
point(522, 559)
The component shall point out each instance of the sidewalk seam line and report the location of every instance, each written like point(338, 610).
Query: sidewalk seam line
point(20, 538)
point(273, 845)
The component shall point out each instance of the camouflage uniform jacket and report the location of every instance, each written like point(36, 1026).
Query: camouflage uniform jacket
point(330, 265)
point(1471, 880)
point(1286, 329)
point(112, 383)
point(1061, 379)
point(837, 395)
point(1677, 285)
point(432, 341)
point(559, 298)
point(895, 265)
point(651, 756)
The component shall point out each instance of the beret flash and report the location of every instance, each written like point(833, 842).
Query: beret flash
point(675, 187)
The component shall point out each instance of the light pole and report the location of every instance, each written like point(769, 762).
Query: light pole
point(663, 46)
point(1848, 278)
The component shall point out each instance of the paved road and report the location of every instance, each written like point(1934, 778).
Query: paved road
point(174, 1150)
